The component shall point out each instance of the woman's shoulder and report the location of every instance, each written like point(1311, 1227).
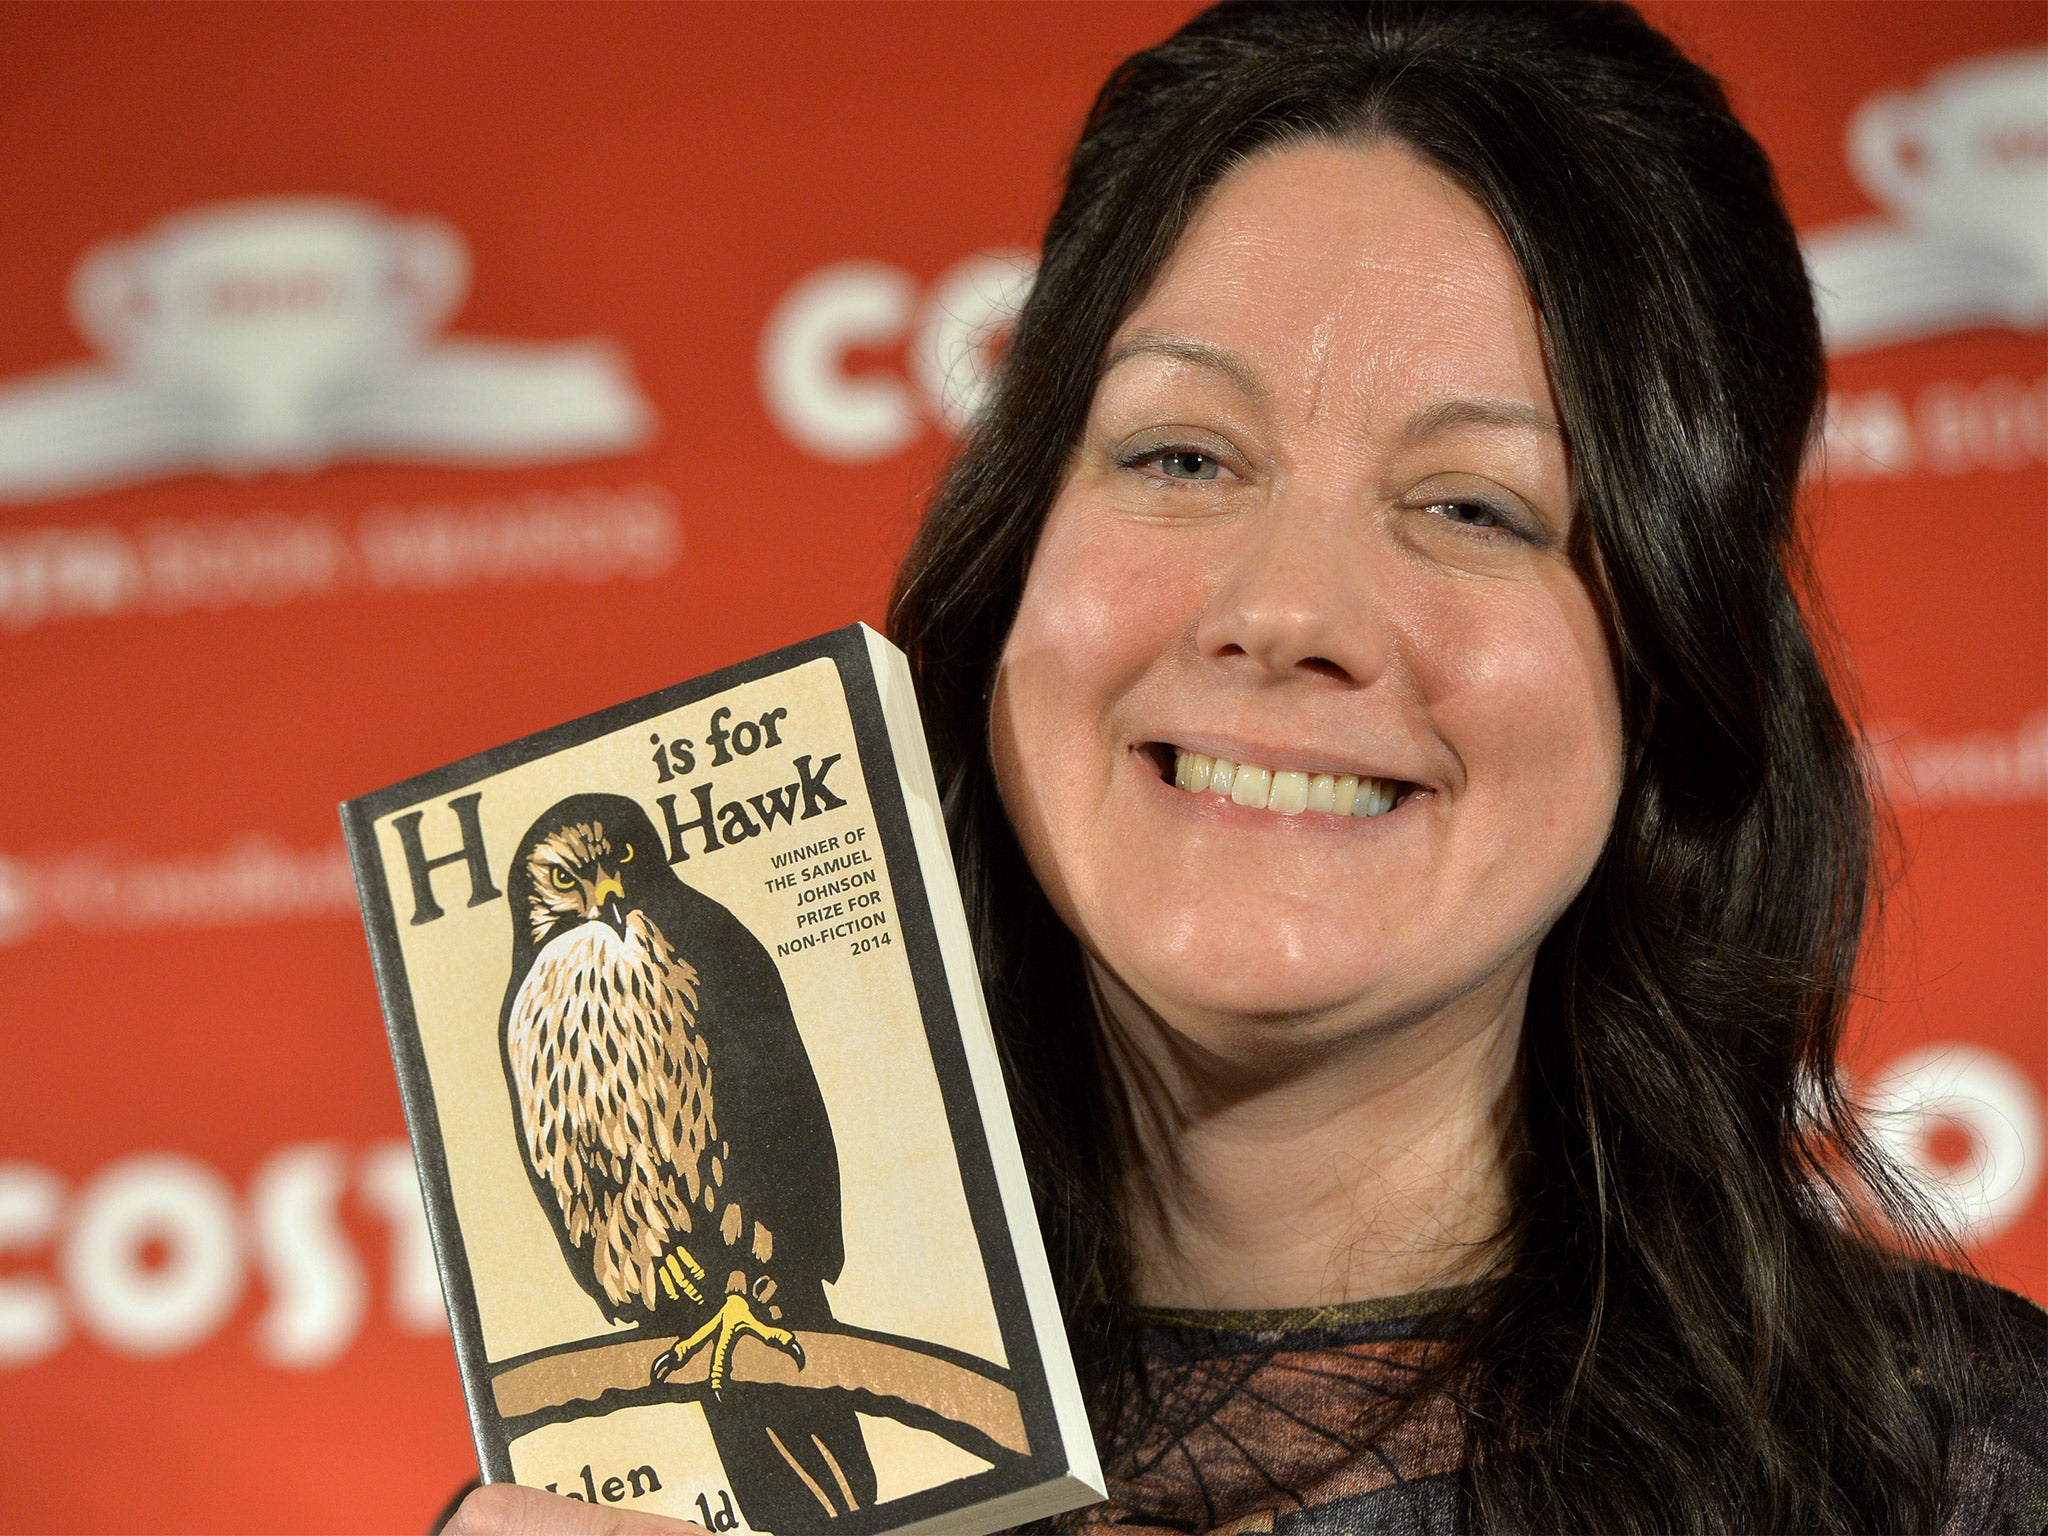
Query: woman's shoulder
point(2000, 1478)
point(2004, 1333)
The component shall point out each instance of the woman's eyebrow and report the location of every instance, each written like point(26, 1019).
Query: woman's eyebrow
point(1183, 349)
point(1446, 414)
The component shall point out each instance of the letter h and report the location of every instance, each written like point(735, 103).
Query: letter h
point(677, 827)
point(424, 908)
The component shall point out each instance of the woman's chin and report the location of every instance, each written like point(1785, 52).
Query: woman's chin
point(1252, 979)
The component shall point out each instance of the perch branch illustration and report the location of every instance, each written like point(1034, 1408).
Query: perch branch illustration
point(895, 1377)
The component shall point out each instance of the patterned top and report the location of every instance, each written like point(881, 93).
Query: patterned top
point(1261, 1422)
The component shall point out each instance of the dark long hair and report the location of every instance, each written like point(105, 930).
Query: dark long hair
point(1697, 1325)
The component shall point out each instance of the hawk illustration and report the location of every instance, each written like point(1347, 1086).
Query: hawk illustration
point(677, 1139)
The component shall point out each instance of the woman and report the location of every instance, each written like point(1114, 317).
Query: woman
point(1417, 855)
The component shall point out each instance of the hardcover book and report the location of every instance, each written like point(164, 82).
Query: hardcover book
point(728, 1205)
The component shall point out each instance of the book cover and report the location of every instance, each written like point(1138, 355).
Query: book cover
point(729, 1210)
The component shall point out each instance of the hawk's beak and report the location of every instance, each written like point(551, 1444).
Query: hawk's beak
point(609, 903)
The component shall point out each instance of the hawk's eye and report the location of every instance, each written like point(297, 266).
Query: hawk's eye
point(564, 881)
point(627, 856)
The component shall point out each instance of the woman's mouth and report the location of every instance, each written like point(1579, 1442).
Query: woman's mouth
point(1283, 791)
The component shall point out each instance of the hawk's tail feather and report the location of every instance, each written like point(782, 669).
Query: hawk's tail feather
point(796, 1457)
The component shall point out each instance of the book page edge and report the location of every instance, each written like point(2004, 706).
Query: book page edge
point(1063, 1493)
point(935, 849)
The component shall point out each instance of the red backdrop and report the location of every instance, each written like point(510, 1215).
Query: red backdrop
point(380, 383)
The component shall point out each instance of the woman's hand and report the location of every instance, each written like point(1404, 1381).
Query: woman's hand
point(505, 1509)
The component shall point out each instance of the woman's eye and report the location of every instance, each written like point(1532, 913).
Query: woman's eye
point(1178, 464)
point(1471, 514)
point(1186, 464)
point(564, 881)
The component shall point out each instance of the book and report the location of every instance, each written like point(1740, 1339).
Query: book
point(723, 1184)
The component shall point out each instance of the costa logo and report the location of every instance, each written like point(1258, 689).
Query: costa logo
point(950, 336)
point(152, 1255)
point(285, 333)
point(1961, 166)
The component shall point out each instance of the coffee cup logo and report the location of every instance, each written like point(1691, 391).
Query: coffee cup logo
point(1962, 167)
point(283, 334)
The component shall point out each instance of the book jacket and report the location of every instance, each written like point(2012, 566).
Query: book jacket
point(728, 1206)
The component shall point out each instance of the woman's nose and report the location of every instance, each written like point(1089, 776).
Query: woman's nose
point(1298, 597)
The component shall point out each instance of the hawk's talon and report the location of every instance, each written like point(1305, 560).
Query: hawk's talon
point(734, 1318)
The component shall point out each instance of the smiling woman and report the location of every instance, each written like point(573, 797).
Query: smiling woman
point(1416, 853)
point(1418, 856)
point(1313, 531)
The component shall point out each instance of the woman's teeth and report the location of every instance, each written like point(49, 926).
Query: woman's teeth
point(1285, 790)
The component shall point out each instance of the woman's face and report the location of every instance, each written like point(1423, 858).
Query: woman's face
point(1316, 530)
